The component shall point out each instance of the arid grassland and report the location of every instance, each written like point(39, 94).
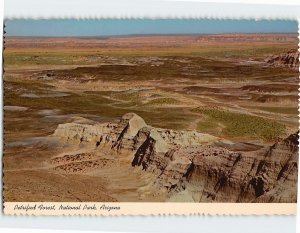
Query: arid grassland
point(240, 89)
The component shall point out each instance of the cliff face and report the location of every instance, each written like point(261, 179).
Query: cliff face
point(279, 172)
point(268, 175)
point(289, 59)
point(195, 163)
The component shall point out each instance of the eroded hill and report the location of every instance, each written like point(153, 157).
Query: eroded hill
point(188, 165)
point(289, 59)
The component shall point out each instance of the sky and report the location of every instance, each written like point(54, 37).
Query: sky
point(118, 27)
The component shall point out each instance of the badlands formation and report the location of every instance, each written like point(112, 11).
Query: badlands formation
point(187, 165)
point(289, 59)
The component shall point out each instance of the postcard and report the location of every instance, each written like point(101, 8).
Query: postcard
point(150, 117)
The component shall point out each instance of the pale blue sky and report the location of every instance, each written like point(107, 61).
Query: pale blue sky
point(108, 27)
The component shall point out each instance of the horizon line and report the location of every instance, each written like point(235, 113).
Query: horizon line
point(154, 34)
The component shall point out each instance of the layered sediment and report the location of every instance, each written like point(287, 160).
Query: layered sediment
point(195, 166)
point(289, 59)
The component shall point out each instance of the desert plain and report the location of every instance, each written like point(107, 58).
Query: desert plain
point(190, 118)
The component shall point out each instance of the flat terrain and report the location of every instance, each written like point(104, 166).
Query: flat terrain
point(220, 85)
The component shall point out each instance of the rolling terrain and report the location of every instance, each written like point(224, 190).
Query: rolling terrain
point(152, 118)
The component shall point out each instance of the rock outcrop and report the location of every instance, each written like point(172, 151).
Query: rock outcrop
point(84, 133)
point(279, 171)
point(197, 164)
point(129, 133)
point(220, 175)
point(129, 125)
point(289, 59)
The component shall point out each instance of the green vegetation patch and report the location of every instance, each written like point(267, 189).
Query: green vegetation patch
point(131, 96)
point(208, 126)
point(242, 125)
point(162, 101)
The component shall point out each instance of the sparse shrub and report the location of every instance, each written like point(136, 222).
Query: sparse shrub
point(238, 124)
point(161, 101)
